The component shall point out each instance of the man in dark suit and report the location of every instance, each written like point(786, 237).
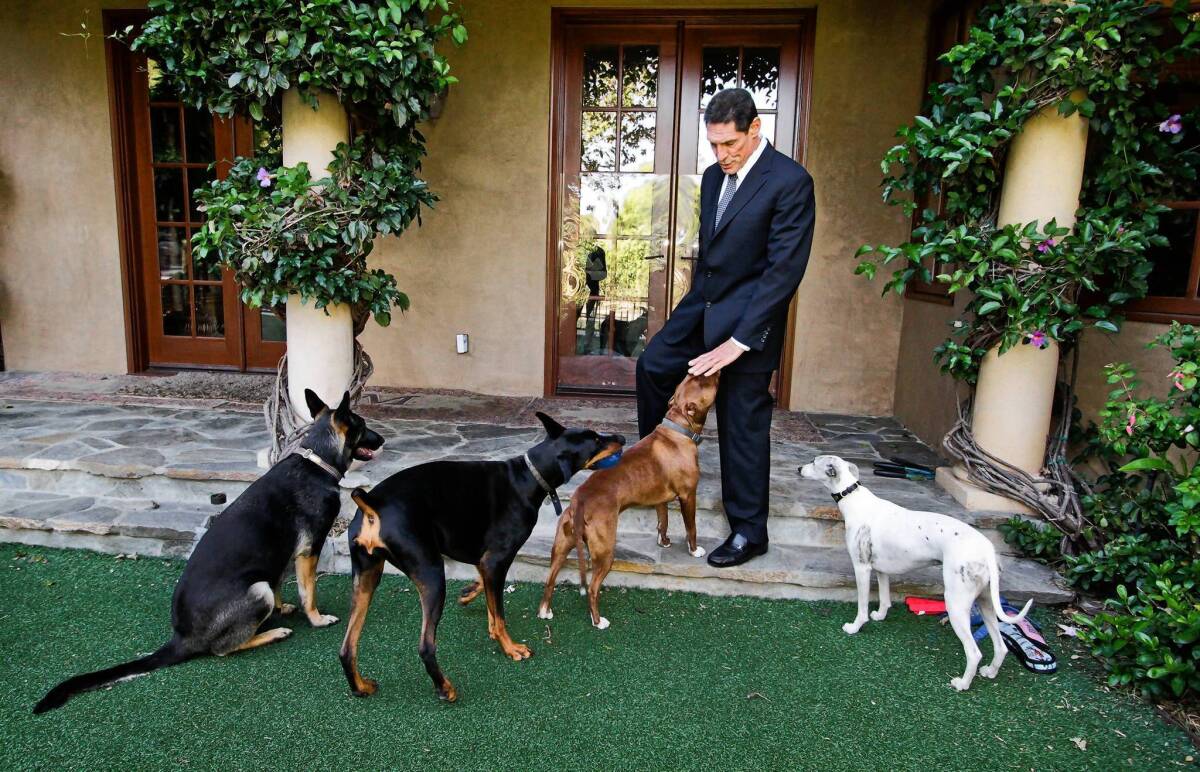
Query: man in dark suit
point(756, 228)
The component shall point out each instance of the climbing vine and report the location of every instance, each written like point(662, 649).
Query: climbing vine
point(1033, 282)
point(280, 230)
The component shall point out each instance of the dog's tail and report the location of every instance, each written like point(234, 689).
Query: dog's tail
point(172, 653)
point(994, 567)
point(575, 510)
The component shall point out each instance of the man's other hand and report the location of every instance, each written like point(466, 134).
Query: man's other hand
point(713, 361)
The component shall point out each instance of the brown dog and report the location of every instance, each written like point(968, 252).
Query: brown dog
point(663, 466)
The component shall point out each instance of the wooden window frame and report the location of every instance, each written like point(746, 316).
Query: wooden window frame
point(1164, 309)
point(560, 20)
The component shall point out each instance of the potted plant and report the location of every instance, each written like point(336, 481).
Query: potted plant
point(296, 223)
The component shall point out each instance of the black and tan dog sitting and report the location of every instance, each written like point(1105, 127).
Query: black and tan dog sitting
point(476, 512)
point(230, 585)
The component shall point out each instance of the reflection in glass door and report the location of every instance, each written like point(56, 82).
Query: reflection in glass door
point(628, 192)
point(615, 204)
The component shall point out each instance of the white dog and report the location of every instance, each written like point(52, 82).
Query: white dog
point(892, 540)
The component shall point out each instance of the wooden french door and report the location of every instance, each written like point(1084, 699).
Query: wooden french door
point(627, 159)
point(184, 315)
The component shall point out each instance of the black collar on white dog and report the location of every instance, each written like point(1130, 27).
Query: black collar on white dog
point(553, 494)
point(843, 494)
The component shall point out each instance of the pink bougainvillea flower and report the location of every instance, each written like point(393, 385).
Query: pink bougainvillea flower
point(1132, 421)
point(1172, 125)
point(1177, 376)
point(1120, 229)
point(1037, 338)
point(1045, 246)
point(263, 177)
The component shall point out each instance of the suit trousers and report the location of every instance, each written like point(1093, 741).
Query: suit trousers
point(743, 406)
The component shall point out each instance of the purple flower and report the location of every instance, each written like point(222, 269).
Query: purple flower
point(1038, 338)
point(1044, 247)
point(263, 177)
point(1172, 125)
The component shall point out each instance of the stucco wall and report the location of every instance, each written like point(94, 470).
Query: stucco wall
point(925, 398)
point(478, 264)
point(60, 276)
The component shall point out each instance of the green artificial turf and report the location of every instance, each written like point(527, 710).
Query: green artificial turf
point(678, 681)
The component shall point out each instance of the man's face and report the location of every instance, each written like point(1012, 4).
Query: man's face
point(732, 147)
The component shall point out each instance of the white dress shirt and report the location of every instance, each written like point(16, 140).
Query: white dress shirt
point(742, 174)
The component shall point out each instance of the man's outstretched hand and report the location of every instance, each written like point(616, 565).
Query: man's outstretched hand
point(713, 361)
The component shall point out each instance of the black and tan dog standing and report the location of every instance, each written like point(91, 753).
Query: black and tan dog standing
point(230, 585)
point(475, 512)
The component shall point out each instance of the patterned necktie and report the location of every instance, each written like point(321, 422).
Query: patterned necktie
point(726, 197)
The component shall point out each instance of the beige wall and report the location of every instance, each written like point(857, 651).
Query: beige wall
point(478, 264)
point(1098, 349)
point(60, 275)
point(925, 399)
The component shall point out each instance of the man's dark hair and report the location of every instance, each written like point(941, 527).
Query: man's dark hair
point(732, 104)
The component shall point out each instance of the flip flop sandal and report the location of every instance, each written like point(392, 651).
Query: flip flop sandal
point(1031, 656)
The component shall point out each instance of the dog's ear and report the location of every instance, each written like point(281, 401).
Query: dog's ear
point(690, 409)
point(315, 405)
point(553, 428)
point(342, 414)
point(853, 470)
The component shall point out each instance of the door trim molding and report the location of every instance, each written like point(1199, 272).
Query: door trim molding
point(137, 355)
point(560, 20)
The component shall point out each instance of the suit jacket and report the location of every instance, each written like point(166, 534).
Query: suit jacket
point(751, 265)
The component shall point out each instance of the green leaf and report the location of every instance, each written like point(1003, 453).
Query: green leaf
point(235, 79)
point(256, 111)
point(1146, 464)
point(1107, 325)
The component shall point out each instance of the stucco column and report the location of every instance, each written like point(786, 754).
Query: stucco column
point(320, 342)
point(1014, 398)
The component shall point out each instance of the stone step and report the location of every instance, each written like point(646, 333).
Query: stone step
point(819, 527)
point(150, 528)
point(806, 516)
point(786, 571)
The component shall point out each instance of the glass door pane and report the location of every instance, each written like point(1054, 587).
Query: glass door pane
point(615, 205)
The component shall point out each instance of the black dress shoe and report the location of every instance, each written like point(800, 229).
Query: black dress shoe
point(736, 550)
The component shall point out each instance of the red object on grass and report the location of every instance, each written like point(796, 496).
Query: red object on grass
point(925, 605)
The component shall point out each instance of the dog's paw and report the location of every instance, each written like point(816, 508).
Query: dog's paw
point(960, 684)
point(583, 591)
point(601, 625)
point(323, 620)
point(987, 671)
point(518, 652)
point(879, 615)
point(447, 693)
point(369, 687)
point(699, 552)
point(850, 628)
point(287, 608)
point(279, 633)
point(664, 541)
point(545, 613)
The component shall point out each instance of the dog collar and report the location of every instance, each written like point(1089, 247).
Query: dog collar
point(686, 432)
point(843, 494)
point(313, 457)
point(553, 494)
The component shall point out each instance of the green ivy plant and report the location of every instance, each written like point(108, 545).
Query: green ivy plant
point(1038, 281)
point(277, 228)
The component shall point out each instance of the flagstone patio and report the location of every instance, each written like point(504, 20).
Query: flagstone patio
point(94, 462)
